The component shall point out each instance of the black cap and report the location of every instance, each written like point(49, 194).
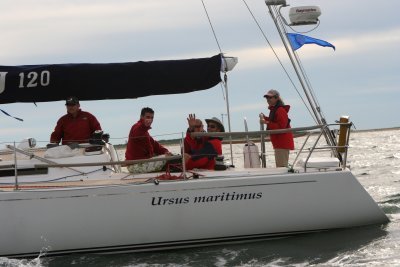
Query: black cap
point(72, 100)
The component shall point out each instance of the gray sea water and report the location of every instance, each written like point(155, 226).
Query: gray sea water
point(375, 160)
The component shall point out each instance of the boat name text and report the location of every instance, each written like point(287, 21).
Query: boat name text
point(223, 197)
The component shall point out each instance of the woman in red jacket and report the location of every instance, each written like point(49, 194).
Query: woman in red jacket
point(278, 119)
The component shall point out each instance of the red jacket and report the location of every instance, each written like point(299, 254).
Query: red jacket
point(204, 157)
point(75, 130)
point(192, 144)
point(141, 145)
point(280, 120)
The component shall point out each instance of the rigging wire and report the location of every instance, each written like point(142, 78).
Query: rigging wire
point(277, 57)
point(212, 28)
point(311, 89)
point(216, 40)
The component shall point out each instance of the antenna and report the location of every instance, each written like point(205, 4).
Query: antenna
point(304, 15)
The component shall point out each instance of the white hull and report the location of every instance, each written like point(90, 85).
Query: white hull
point(182, 213)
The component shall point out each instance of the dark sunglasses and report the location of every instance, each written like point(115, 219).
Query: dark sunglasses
point(212, 126)
point(269, 97)
point(70, 105)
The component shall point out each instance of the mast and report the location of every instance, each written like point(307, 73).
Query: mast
point(280, 23)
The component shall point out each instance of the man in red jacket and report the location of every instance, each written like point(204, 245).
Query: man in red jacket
point(76, 126)
point(278, 119)
point(141, 145)
point(203, 152)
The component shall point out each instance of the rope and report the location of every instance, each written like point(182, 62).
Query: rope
point(212, 28)
point(5, 113)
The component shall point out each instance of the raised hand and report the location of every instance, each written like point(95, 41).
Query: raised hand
point(191, 121)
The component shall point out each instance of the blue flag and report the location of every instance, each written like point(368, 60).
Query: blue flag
point(298, 40)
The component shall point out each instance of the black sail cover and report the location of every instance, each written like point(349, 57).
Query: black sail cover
point(53, 82)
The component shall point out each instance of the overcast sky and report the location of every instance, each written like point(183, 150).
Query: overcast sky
point(360, 79)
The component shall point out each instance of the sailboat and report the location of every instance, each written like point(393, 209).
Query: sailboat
point(83, 202)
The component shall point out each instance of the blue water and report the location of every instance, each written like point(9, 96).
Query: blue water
point(374, 159)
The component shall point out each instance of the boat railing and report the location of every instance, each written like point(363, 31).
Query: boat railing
point(46, 163)
point(340, 149)
point(313, 146)
point(256, 133)
point(52, 164)
point(123, 162)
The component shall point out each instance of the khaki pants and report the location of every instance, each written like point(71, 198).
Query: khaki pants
point(146, 167)
point(281, 157)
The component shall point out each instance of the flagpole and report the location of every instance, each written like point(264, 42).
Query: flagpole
point(295, 64)
point(318, 116)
